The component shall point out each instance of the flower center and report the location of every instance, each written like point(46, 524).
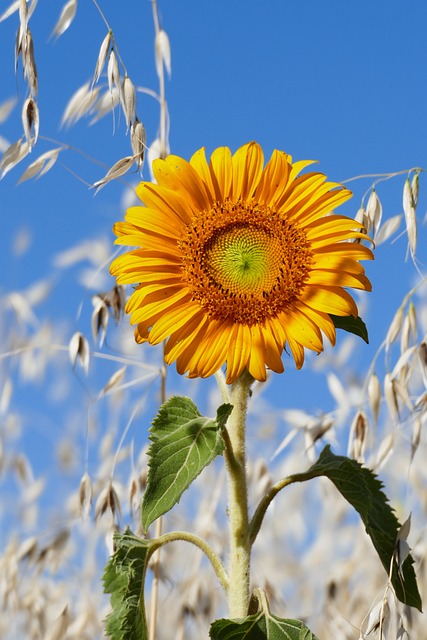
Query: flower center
point(244, 259)
point(244, 262)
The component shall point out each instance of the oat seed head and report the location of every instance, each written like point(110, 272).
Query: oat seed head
point(102, 57)
point(66, 17)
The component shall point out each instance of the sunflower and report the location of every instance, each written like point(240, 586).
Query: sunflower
point(236, 262)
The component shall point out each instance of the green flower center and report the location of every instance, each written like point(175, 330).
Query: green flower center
point(243, 262)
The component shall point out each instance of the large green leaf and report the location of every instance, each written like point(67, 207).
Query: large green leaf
point(261, 626)
point(183, 443)
point(124, 578)
point(352, 325)
point(361, 487)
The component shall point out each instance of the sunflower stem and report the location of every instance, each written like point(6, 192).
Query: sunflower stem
point(235, 459)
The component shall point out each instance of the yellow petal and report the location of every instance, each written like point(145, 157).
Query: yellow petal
point(199, 163)
point(168, 323)
point(221, 170)
point(159, 222)
point(347, 249)
point(274, 180)
point(239, 351)
point(177, 174)
point(248, 162)
point(338, 278)
point(322, 320)
point(330, 300)
point(303, 330)
point(256, 365)
point(162, 301)
point(164, 199)
point(297, 351)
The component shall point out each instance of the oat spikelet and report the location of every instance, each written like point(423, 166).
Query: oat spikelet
point(389, 228)
point(415, 186)
point(30, 122)
point(13, 154)
point(162, 52)
point(118, 169)
point(374, 396)
point(114, 381)
point(41, 165)
point(79, 351)
point(138, 141)
point(394, 328)
point(391, 397)
point(410, 217)
point(65, 19)
point(374, 212)
point(128, 98)
point(29, 63)
point(85, 495)
point(113, 72)
point(58, 630)
point(102, 57)
point(108, 500)
point(99, 320)
point(358, 436)
point(422, 358)
point(79, 104)
point(6, 108)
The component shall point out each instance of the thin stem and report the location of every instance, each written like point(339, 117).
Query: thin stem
point(161, 75)
point(260, 512)
point(384, 176)
point(215, 561)
point(235, 459)
point(158, 532)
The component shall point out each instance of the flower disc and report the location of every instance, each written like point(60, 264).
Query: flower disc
point(236, 260)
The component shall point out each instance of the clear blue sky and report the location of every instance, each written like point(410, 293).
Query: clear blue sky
point(341, 82)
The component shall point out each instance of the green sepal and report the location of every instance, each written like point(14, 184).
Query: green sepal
point(351, 325)
point(124, 578)
point(183, 444)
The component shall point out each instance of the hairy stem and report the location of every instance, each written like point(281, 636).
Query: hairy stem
point(159, 527)
point(215, 561)
point(235, 459)
point(265, 502)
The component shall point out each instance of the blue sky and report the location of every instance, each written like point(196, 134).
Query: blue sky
point(340, 82)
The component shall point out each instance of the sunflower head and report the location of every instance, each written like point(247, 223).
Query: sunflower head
point(235, 261)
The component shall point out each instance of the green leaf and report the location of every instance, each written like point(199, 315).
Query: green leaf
point(183, 443)
point(124, 578)
point(262, 625)
point(361, 487)
point(352, 325)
